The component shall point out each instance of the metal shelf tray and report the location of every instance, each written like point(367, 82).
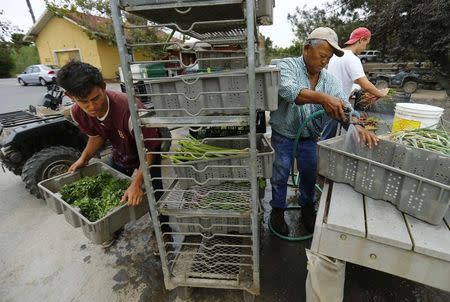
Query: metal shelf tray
point(225, 261)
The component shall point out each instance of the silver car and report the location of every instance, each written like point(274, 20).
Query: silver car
point(38, 74)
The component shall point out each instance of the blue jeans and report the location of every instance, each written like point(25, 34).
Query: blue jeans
point(330, 129)
point(306, 165)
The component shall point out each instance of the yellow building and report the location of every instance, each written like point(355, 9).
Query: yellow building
point(75, 36)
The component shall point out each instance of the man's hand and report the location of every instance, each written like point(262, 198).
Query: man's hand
point(368, 137)
point(334, 107)
point(384, 92)
point(81, 162)
point(133, 194)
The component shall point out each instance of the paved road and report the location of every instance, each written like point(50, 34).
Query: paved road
point(15, 97)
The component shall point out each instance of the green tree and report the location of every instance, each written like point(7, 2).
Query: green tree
point(23, 57)
point(5, 28)
point(275, 52)
point(304, 21)
point(6, 61)
point(17, 40)
point(407, 30)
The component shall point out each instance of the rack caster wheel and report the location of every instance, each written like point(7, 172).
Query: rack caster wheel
point(248, 297)
point(184, 293)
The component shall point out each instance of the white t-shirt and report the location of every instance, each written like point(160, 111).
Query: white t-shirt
point(346, 69)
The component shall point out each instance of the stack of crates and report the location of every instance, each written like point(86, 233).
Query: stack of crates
point(213, 204)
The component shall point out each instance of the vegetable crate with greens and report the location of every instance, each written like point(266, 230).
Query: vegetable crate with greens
point(213, 159)
point(219, 93)
point(417, 181)
point(90, 198)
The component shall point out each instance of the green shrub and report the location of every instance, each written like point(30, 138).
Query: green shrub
point(6, 62)
point(23, 57)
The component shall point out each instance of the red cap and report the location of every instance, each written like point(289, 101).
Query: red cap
point(359, 33)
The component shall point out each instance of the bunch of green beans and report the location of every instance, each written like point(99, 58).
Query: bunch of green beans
point(424, 138)
point(190, 149)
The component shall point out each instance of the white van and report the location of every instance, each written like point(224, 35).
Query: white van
point(369, 55)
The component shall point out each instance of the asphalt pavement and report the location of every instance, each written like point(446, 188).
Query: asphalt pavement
point(15, 97)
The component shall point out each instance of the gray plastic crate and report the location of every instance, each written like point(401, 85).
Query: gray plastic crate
point(264, 11)
point(417, 181)
point(223, 168)
point(214, 93)
point(226, 59)
point(102, 229)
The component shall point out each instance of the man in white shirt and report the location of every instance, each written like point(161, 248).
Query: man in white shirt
point(348, 69)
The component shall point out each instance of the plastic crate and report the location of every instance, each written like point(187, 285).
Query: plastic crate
point(201, 171)
point(225, 59)
point(264, 11)
point(213, 93)
point(102, 229)
point(417, 181)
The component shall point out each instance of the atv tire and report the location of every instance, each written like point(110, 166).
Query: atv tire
point(381, 84)
point(47, 163)
point(410, 86)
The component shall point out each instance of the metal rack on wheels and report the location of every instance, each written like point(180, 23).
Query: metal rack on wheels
point(211, 199)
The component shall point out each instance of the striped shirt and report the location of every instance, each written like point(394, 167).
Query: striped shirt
point(289, 116)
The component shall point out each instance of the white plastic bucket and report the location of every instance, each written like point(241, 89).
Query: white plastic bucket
point(410, 116)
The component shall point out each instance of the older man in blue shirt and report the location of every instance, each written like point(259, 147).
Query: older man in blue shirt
point(306, 87)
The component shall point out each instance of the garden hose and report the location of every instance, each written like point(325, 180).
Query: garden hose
point(295, 177)
point(297, 138)
point(294, 155)
point(300, 238)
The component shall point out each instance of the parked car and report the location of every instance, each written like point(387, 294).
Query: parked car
point(38, 74)
point(369, 55)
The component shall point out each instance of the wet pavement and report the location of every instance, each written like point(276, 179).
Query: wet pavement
point(43, 258)
point(283, 271)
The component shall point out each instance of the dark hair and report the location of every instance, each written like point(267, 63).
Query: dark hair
point(79, 78)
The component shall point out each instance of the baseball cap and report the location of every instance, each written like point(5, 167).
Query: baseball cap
point(329, 35)
point(359, 33)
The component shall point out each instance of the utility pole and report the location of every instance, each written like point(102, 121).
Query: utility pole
point(31, 11)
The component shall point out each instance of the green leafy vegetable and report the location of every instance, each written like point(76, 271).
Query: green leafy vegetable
point(95, 196)
point(392, 92)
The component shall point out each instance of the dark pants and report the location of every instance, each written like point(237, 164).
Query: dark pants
point(329, 130)
point(157, 185)
point(306, 165)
